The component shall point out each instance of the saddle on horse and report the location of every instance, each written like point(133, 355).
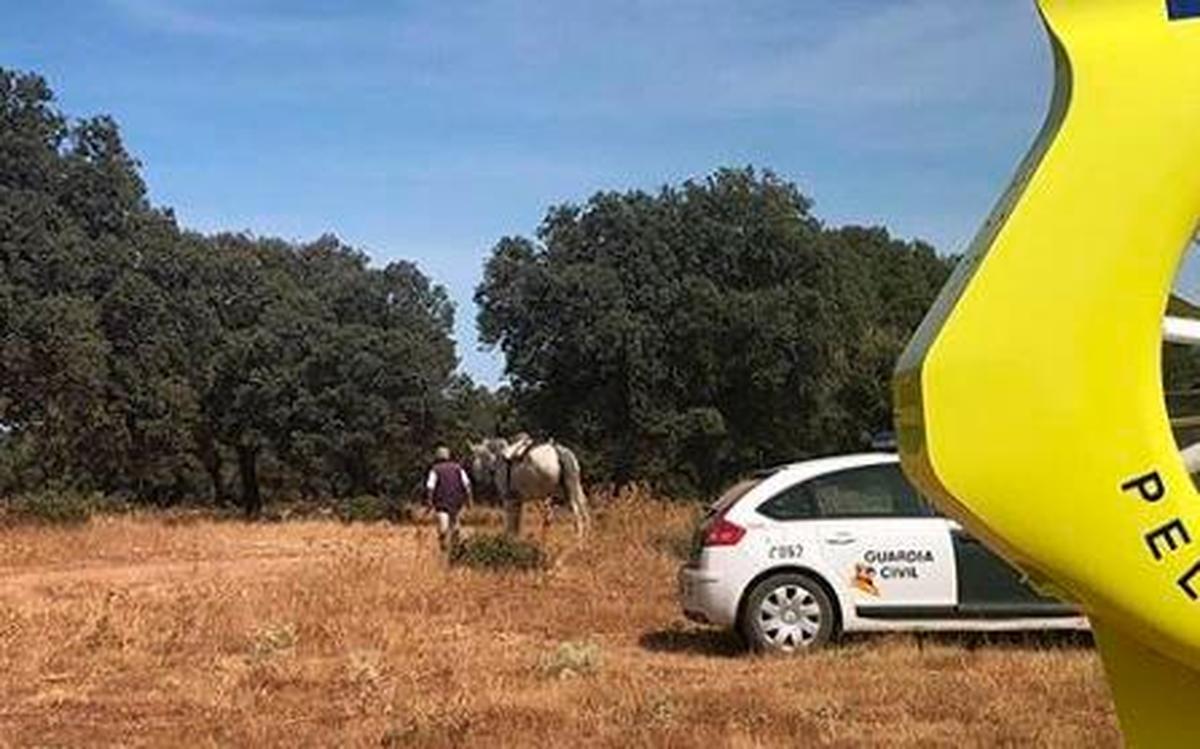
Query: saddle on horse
point(520, 446)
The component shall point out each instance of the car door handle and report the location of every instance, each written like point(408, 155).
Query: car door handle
point(841, 540)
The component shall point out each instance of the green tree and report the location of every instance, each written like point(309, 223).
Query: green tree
point(76, 239)
point(339, 370)
point(688, 335)
point(139, 359)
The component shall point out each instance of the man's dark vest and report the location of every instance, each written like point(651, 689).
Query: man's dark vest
point(449, 492)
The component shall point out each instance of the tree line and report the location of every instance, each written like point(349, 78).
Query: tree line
point(146, 361)
point(677, 337)
point(716, 327)
point(711, 328)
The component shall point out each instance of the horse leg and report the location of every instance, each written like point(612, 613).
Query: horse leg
point(571, 481)
point(545, 507)
point(582, 524)
point(512, 516)
point(579, 508)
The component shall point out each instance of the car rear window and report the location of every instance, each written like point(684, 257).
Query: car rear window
point(736, 492)
point(727, 499)
point(743, 487)
point(794, 503)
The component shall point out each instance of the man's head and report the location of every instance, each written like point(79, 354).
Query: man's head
point(442, 453)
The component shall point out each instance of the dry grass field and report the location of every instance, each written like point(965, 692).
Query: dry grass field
point(147, 632)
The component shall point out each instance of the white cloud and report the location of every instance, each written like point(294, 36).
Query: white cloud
point(240, 25)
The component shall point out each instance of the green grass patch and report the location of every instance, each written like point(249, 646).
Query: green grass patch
point(498, 552)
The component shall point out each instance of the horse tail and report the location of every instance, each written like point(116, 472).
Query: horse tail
point(571, 479)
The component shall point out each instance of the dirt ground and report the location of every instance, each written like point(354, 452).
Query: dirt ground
point(155, 632)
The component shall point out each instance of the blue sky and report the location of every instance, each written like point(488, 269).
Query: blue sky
point(427, 129)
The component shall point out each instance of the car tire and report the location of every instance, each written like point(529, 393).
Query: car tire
point(787, 614)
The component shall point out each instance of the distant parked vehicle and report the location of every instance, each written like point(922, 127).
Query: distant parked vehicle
point(792, 557)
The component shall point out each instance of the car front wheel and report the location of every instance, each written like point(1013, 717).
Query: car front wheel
point(788, 613)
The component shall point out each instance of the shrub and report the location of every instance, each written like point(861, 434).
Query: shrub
point(658, 709)
point(498, 552)
point(51, 508)
point(573, 658)
point(273, 639)
point(366, 508)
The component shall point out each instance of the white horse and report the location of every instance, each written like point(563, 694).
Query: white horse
point(522, 469)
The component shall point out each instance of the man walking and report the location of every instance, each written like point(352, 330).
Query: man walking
point(447, 489)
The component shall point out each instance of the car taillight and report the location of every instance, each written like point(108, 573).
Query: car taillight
point(723, 533)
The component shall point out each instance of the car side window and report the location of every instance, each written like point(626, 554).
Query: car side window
point(868, 492)
point(794, 503)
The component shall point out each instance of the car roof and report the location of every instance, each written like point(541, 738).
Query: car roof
point(817, 466)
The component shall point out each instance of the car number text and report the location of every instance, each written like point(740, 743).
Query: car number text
point(786, 551)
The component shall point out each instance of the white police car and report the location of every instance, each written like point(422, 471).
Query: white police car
point(794, 556)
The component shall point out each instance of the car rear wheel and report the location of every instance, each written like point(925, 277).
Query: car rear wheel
point(788, 613)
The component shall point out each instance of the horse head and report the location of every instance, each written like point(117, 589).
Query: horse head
point(487, 465)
